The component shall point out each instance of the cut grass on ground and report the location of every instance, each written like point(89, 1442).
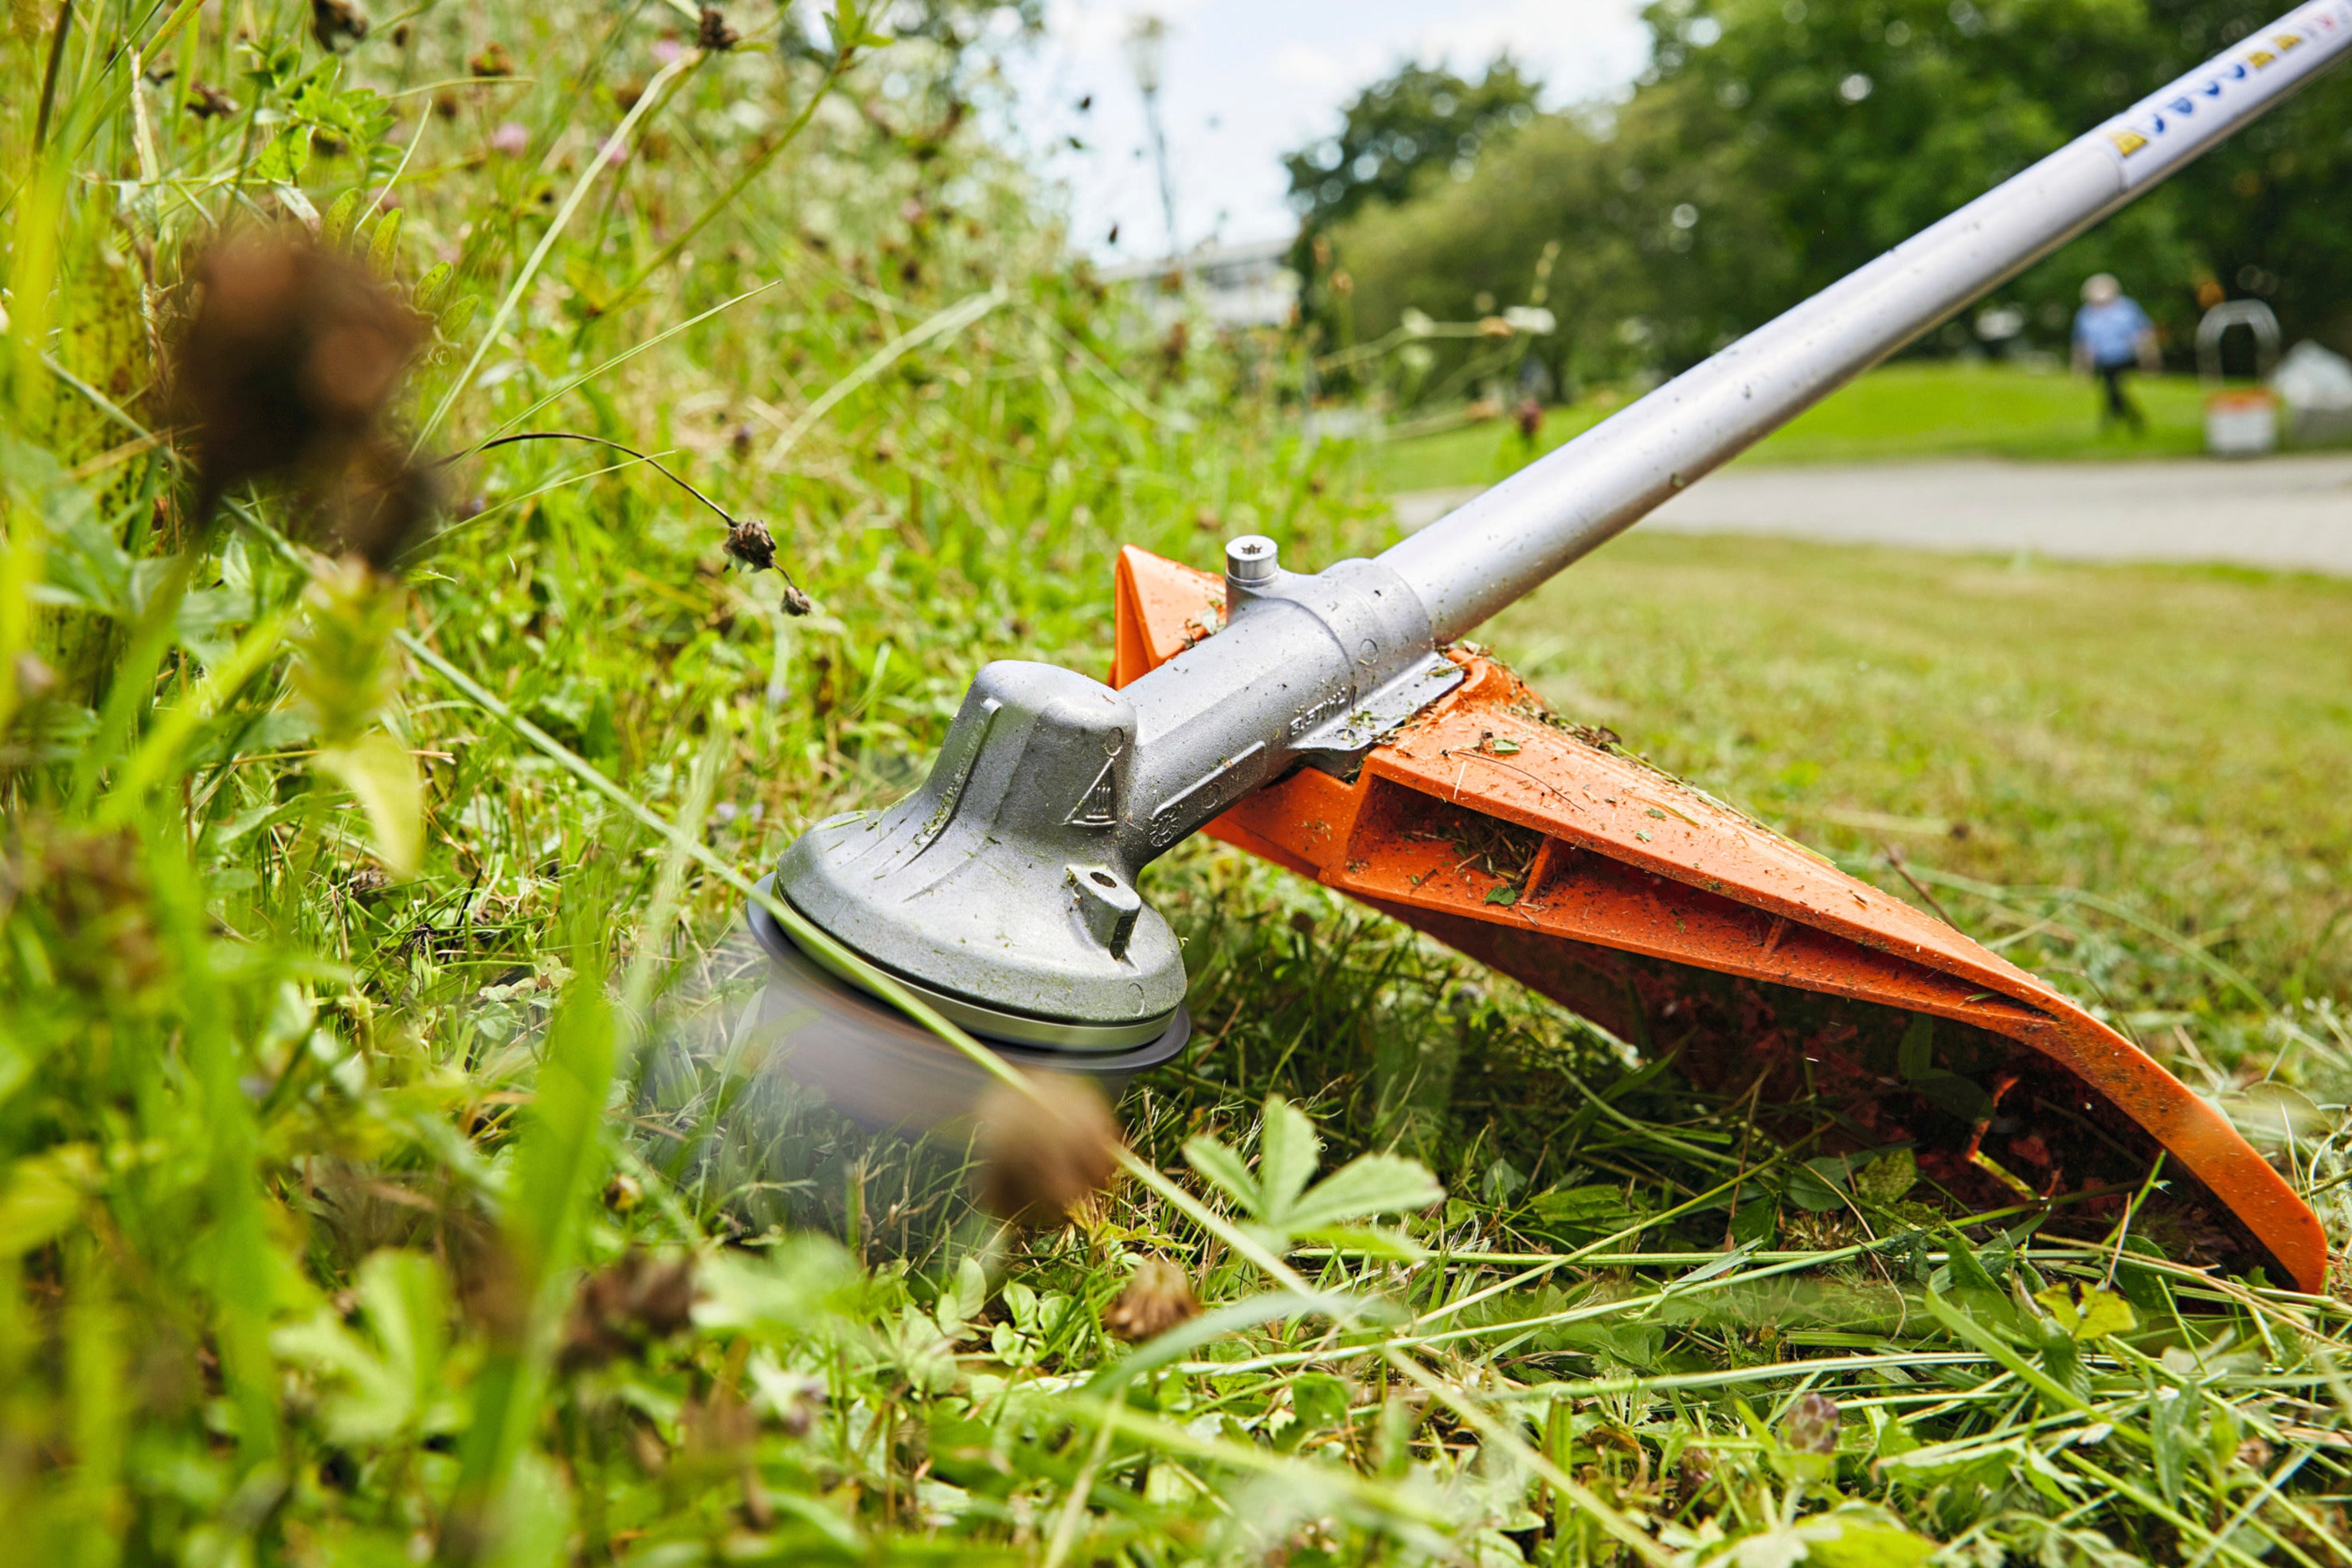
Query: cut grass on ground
point(1900, 410)
point(2176, 738)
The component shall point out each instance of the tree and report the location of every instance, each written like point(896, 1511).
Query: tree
point(1418, 119)
point(1869, 119)
point(1775, 145)
point(1395, 133)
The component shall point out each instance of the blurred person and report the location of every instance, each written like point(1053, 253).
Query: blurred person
point(2113, 335)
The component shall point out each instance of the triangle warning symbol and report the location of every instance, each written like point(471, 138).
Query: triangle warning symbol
point(1097, 807)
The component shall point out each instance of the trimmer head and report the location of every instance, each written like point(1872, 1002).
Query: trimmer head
point(998, 890)
point(880, 1068)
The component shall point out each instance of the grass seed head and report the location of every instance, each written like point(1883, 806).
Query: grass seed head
point(1157, 1299)
point(287, 361)
point(1042, 1155)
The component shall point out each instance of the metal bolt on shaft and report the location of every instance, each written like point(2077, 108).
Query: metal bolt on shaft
point(1250, 559)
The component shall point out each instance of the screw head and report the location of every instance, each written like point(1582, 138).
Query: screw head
point(1250, 559)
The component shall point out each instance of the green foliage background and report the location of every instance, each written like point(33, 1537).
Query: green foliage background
point(1775, 145)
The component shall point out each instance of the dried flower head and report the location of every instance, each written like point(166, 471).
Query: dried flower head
point(287, 362)
point(714, 36)
point(748, 539)
point(384, 505)
point(749, 542)
point(1158, 1297)
point(332, 21)
point(1045, 1152)
point(1810, 1426)
point(621, 1309)
point(493, 61)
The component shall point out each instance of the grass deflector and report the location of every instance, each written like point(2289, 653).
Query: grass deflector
point(1329, 722)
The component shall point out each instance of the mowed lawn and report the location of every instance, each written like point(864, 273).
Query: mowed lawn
point(1899, 410)
point(2179, 739)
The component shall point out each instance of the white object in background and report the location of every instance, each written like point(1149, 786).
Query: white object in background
point(2317, 387)
point(2239, 421)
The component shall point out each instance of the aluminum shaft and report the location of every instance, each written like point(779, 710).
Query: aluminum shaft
point(1514, 536)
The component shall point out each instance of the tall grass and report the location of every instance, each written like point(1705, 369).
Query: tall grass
point(364, 1071)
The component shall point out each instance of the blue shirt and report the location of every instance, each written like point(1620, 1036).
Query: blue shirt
point(2110, 333)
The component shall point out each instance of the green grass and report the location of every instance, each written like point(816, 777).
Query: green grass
point(382, 1177)
point(1897, 411)
point(2170, 737)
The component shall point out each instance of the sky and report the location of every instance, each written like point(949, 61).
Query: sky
point(1246, 81)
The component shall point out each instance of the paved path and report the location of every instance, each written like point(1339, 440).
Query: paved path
point(2291, 513)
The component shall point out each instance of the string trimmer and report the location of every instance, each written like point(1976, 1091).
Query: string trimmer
point(1328, 722)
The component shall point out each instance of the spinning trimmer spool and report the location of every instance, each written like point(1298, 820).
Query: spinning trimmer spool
point(1326, 722)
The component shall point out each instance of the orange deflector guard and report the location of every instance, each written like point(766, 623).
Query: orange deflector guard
point(1664, 915)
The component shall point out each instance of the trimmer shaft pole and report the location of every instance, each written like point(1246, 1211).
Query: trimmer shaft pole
point(1510, 540)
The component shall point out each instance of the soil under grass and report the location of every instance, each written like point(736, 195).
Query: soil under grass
point(2177, 739)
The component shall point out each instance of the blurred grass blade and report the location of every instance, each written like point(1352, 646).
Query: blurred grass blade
point(236, 1261)
point(380, 772)
point(558, 1165)
point(599, 161)
point(158, 753)
point(941, 324)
